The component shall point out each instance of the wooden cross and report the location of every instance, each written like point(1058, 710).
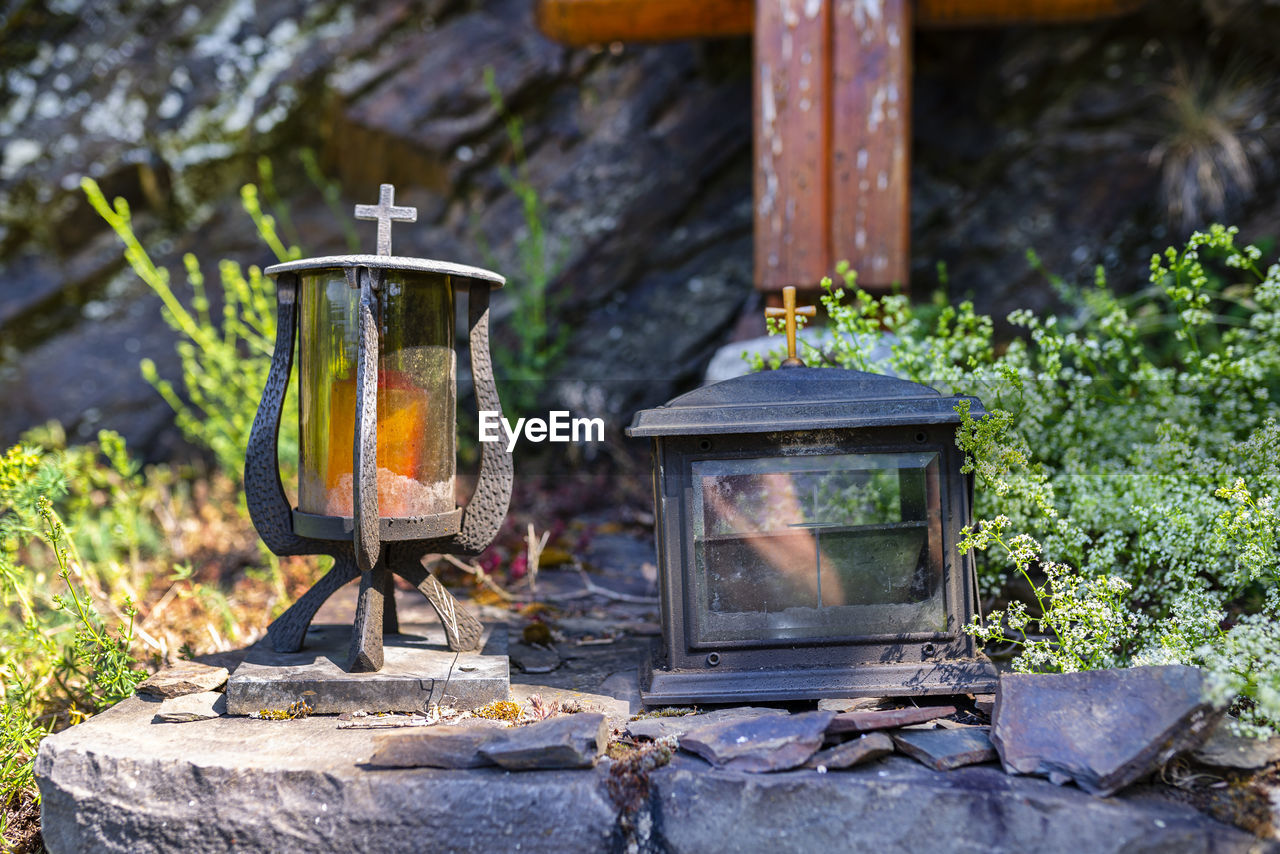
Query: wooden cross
point(832, 96)
point(386, 212)
point(789, 311)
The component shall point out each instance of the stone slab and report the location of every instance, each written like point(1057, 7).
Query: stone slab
point(896, 806)
point(182, 678)
point(660, 726)
point(191, 707)
point(945, 749)
point(1224, 750)
point(765, 743)
point(1103, 729)
point(118, 783)
point(434, 747)
point(864, 748)
point(869, 721)
point(565, 741)
point(419, 670)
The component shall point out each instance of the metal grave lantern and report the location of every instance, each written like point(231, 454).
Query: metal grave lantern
point(807, 523)
point(378, 403)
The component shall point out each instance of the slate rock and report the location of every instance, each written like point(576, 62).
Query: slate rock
point(117, 783)
point(533, 659)
point(1225, 750)
point(192, 707)
point(766, 743)
point(944, 749)
point(120, 784)
point(897, 806)
point(865, 748)
point(656, 728)
point(1104, 729)
point(851, 704)
point(985, 703)
point(184, 677)
point(566, 741)
point(869, 721)
point(435, 747)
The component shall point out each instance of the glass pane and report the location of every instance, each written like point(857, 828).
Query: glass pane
point(417, 388)
point(819, 546)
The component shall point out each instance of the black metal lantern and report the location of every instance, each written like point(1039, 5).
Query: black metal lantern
point(807, 523)
point(378, 417)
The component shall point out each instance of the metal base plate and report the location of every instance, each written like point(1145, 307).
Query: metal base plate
point(418, 670)
point(659, 687)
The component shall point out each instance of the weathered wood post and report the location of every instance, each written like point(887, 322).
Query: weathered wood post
point(832, 95)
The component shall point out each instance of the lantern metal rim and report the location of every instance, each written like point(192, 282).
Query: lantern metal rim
point(390, 528)
point(795, 399)
point(389, 262)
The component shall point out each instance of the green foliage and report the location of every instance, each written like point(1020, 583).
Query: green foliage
point(224, 362)
point(1127, 468)
point(538, 350)
point(59, 660)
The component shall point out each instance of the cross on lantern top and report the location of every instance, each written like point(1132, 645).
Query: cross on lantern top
point(386, 212)
point(789, 311)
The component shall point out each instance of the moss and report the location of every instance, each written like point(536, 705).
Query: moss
point(297, 709)
point(667, 712)
point(499, 710)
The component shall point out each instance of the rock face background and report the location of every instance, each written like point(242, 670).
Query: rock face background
point(1075, 141)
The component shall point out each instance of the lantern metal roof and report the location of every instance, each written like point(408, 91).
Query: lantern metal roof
point(800, 399)
point(388, 262)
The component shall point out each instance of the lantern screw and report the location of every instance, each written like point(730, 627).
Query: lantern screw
point(386, 212)
point(789, 311)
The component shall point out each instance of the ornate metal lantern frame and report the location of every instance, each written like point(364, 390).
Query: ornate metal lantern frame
point(366, 544)
point(731, 632)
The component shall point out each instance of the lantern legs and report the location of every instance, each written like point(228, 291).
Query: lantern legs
point(461, 628)
point(366, 631)
point(375, 609)
point(290, 628)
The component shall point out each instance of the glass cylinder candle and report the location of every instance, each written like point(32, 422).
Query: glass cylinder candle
point(417, 393)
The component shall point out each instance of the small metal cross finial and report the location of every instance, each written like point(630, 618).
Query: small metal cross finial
point(789, 311)
point(386, 212)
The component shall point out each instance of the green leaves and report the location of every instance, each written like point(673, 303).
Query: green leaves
point(224, 361)
point(1128, 464)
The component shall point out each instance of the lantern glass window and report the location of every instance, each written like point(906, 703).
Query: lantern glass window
point(417, 398)
point(825, 546)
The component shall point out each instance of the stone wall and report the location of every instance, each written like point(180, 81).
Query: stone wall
point(1058, 139)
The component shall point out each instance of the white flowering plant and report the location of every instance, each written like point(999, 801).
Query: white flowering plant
point(1127, 467)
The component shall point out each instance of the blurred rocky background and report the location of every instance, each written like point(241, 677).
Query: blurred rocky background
point(1092, 144)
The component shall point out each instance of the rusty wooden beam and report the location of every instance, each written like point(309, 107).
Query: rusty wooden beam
point(586, 22)
point(870, 165)
point(792, 142)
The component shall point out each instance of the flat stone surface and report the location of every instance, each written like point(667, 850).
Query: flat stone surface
point(434, 747)
point(864, 748)
point(191, 707)
point(765, 743)
point(945, 749)
point(1104, 729)
point(896, 806)
point(419, 669)
point(119, 783)
point(659, 727)
point(184, 677)
point(868, 721)
point(533, 659)
point(1224, 750)
point(567, 741)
